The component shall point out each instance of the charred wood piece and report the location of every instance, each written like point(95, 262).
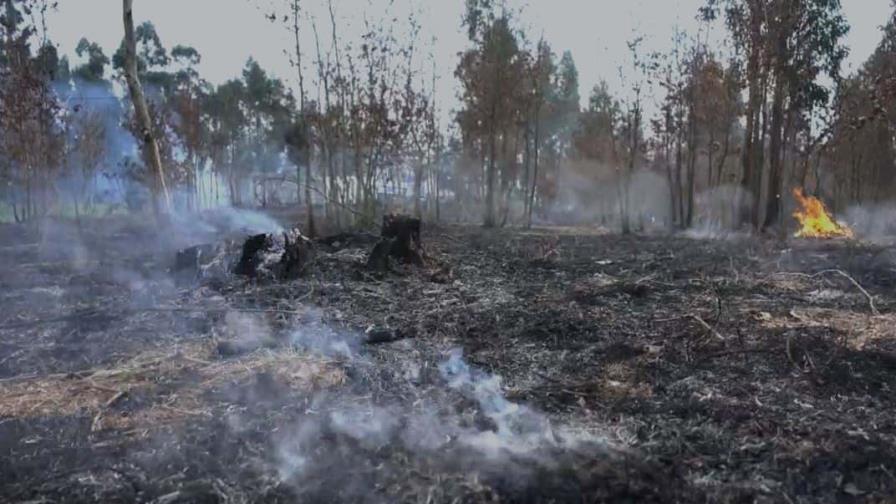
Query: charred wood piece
point(190, 259)
point(375, 335)
point(206, 263)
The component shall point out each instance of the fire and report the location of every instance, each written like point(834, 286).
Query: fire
point(814, 219)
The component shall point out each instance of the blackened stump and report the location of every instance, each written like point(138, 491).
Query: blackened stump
point(403, 227)
point(295, 256)
point(400, 240)
point(276, 256)
point(250, 257)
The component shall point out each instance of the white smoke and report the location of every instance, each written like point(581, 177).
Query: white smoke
point(317, 337)
point(518, 428)
point(491, 434)
point(874, 223)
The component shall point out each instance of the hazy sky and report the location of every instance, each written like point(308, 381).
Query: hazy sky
point(228, 32)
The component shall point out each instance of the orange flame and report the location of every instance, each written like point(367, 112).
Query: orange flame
point(814, 219)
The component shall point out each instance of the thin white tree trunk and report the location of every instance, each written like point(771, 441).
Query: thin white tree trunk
point(150, 147)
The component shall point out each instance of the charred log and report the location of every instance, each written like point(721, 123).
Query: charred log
point(375, 335)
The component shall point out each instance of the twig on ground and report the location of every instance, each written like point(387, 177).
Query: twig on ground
point(858, 286)
point(706, 325)
point(845, 275)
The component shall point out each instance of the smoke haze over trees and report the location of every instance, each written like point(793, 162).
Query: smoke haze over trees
point(374, 263)
point(703, 134)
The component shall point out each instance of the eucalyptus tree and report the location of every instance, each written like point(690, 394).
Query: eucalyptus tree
point(788, 45)
point(488, 73)
point(31, 136)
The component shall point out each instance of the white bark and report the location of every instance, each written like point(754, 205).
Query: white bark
point(144, 123)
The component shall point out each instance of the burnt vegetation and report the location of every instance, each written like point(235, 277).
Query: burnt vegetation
point(326, 287)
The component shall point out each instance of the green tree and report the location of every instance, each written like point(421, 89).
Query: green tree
point(94, 69)
point(787, 46)
point(490, 89)
point(31, 135)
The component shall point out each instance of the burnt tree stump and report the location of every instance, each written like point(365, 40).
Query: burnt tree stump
point(403, 227)
point(400, 239)
point(296, 252)
point(281, 256)
point(250, 258)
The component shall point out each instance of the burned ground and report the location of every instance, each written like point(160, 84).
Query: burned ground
point(668, 368)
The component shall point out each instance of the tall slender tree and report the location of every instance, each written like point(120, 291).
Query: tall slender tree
point(150, 146)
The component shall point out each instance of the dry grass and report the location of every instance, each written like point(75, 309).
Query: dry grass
point(174, 384)
point(860, 328)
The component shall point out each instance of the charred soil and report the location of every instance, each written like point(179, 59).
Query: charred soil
point(667, 369)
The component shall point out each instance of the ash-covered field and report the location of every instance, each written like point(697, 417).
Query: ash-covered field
point(552, 365)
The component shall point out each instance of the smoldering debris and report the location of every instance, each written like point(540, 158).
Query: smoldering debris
point(459, 425)
point(270, 256)
point(517, 429)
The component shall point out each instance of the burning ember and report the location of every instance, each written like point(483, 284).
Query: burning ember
point(814, 219)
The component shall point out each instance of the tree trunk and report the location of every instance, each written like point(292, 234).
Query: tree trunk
point(759, 166)
point(632, 161)
point(678, 166)
point(527, 175)
point(773, 189)
point(709, 155)
point(747, 161)
point(752, 113)
point(334, 191)
point(692, 165)
point(150, 147)
point(535, 153)
point(490, 184)
point(312, 229)
point(299, 186)
point(418, 188)
point(672, 196)
point(726, 145)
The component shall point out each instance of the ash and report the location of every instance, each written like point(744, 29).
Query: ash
point(615, 368)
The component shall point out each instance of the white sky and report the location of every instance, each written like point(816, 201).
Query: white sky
point(228, 32)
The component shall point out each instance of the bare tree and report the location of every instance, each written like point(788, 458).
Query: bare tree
point(144, 122)
point(304, 156)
